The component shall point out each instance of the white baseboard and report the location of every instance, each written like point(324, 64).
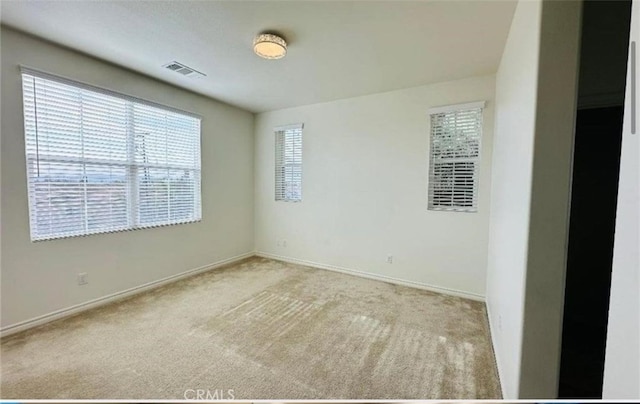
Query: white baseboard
point(368, 275)
point(66, 312)
point(495, 352)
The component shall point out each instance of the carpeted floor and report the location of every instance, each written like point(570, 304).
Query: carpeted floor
point(260, 329)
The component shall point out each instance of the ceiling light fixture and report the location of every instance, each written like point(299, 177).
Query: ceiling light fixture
point(270, 46)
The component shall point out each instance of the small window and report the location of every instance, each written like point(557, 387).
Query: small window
point(99, 161)
point(455, 157)
point(289, 163)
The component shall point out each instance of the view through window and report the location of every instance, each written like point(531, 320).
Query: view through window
point(98, 161)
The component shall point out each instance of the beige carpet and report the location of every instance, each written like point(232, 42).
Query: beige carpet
point(260, 329)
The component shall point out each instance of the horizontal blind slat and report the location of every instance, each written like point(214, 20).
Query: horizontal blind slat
point(454, 159)
point(98, 162)
point(288, 164)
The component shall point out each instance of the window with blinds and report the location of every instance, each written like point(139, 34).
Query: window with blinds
point(456, 132)
point(289, 163)
point(98, 161)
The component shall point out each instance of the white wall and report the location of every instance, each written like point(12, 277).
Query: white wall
point(536, 103)
point(622, 360)
point(516, 88)
point(365, 169)
point(38, 278)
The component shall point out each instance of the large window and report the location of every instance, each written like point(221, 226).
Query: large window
point(99, 162)
point(289, 163)
point(455, 157)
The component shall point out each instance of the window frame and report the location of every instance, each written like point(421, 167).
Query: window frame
point(433, 159)
point(281, 164)
point(131, 167)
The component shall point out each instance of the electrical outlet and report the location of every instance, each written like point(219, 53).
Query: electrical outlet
point(500, 322)
point(389, 259)
point(83, 278)
point(284, 243)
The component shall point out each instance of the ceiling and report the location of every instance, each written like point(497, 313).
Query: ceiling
point(337, 49)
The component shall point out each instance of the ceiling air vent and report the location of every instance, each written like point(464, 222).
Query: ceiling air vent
point(183, 70)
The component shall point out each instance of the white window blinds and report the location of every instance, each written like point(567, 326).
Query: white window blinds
point(455, 156)
point(98, 161)
point(288, 175)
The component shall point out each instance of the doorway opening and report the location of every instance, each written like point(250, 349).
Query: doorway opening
point(596, 166)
